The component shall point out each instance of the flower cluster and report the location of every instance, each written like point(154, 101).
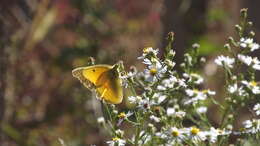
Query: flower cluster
point(170, 107)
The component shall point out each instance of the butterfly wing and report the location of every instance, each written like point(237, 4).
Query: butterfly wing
point(110, 87)
point(88, 76)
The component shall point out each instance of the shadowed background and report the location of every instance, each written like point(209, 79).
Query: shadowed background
point(42, 41)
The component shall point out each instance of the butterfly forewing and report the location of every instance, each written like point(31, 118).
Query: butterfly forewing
point(78, 73)
point(104, 79)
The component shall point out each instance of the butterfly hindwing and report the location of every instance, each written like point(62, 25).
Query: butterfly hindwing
point(109, 87)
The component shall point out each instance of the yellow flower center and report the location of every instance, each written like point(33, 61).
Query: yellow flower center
point(175, 133)
point(146, 50)
point(253, 83)
point(122, 115)
point(115, 139)
point(194, 130)
point(153, 71)
point(205, 91)
point(196, 91)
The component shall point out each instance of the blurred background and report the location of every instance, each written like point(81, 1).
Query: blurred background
point(43, 40)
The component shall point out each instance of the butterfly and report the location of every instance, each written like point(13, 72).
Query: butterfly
point(104, 79)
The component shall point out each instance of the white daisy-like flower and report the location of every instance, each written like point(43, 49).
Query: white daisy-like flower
point(224, 131)
point(232, 88)
point(252, 85)
point(145, 104)
point(225, 61)
point(252, 126)
point(247, 124)
point(236, 89)
point(158, 98)
point(249, 43)
point(116, 142)
point(176, 135)
point(182, 83)
point(202, 109)
point(212, 134)
point(180, 114)
point(150, 61)
point(170, 111)
point(122, 116)
point(150, 50)
point(257, 109)
point(193, 77)
point(250, 61)
point(119, 132)
point(175, 113)
point(161, 135)
point(134, 99)
point(154, 72)
point(167, 83)
point(144, 136)
point(155, 119)
point(101, 120)
point(197, 95)
point(147, 51)
point(195, 135)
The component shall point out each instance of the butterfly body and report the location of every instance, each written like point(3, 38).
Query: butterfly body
point(104, 79)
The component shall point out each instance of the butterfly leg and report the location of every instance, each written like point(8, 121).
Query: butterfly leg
point(103, 93)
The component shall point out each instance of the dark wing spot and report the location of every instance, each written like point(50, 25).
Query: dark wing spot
point(94, 70)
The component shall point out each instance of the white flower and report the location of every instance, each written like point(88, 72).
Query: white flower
point(182, 83)
point(257, 109)
point(252, 126)
point(122, 116)
point(201, 109)
point(150, 50)
point(116, 142)
point(252, 85)
point(155, 119)
point(212, 134)
point(170, 111)
point(158, 98)
point(248, 43)
point(247, 124)
point(180, 114)
point(167, 83)
point(193, 77)
point(144, 138)
point(232, 88)
point(161, 135)
point(147, 51)
point(197, 95)
point(134, 99)
point(225, 61)
point(119, 132)
point(176, 135)
point(101, 120)
point(249, 61)
point(236, 89)
point(196, 135)
point(154, 71)
point(145, 104)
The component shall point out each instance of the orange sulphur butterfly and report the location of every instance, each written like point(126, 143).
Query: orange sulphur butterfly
point(104, 79)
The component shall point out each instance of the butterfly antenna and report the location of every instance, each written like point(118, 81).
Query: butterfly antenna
point(90, 61)
point(121, 68)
